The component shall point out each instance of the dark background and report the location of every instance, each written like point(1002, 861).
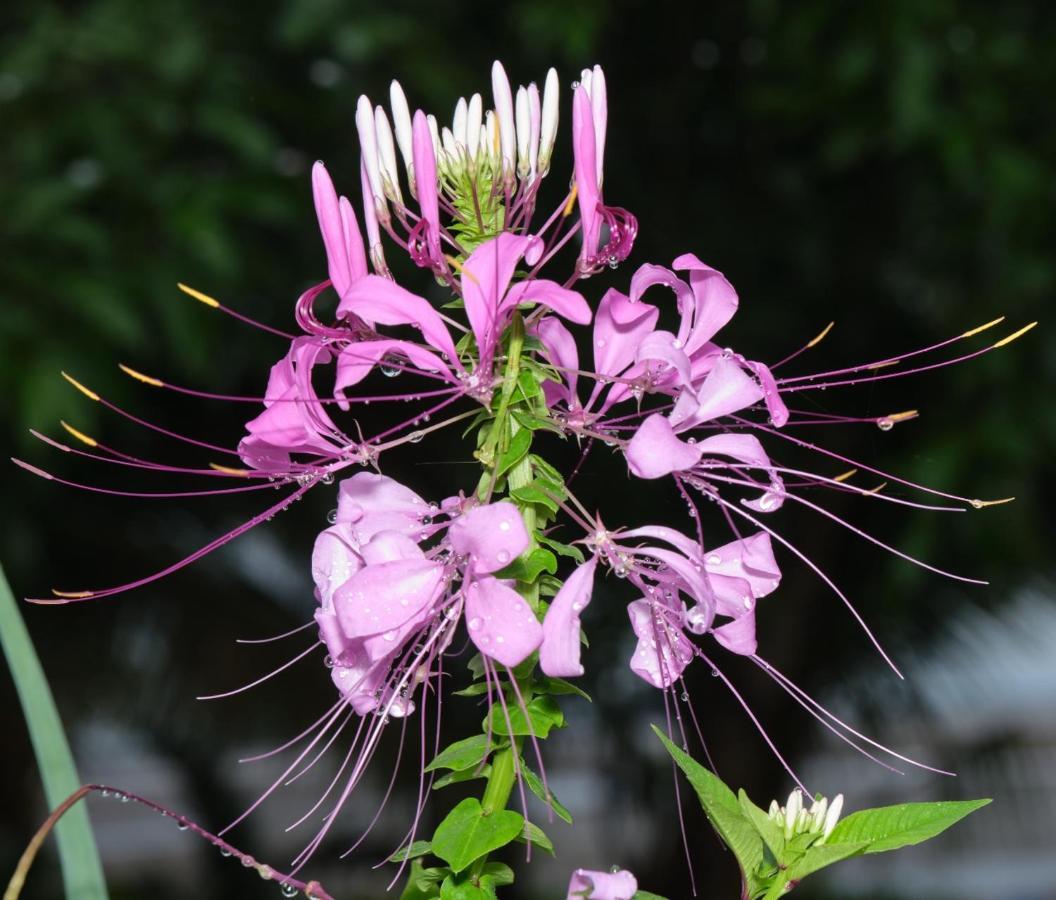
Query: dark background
point(884, 165)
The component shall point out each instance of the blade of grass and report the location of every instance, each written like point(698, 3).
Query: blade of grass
point(82, 873)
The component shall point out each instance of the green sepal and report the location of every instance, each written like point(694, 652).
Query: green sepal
point(534, 493)
point(423, 883)
point(560, 549)
point(466, 834)
point(517, 450)
point(535, 423)
point(773, 835)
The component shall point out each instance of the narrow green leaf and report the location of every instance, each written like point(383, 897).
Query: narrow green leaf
point(536, 786)
point(535, 835)
point(528, 566)
point(474, 690)
point(558, 686)
point(82, 873)
point(533, 493)
point(891, 827)
point(458, 777)
point(721, 808)
point(460, 755)
point(561, 549)
point(517, 450)
point(645, 895)
point(418, 848)
point(466, 834)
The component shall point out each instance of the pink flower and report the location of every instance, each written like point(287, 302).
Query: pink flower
point(592, 885)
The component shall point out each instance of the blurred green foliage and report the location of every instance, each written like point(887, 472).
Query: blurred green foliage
point(887, 165)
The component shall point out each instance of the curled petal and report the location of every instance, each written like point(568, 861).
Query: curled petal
point(356, 360)
point(500, 622)
point(726, 389)
point(390, 546)
point(751, 559)
point(715, 301)
point(559, 653)
point(377, 299)
point(655, 450)
point(585, 153)
point(486, 276)
point(561, 349)
point(738, 635)
point(346, 257)
point(746, 449)
point(619, 327)
point(771, 395)
point(664, 347)
point(426, 186)
point(491, 536)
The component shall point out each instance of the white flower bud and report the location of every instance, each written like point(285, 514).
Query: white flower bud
point(474, 120)
point(535, 120)
point(458, 124)
point(548, 131)
point(524, 131)
point(599, 109)
point(368, 145)
point(792, 811)
point(775, 812)
point(817, 813)
point(831, 817)
point(387, 156)
point(500, 87)
point(434, 133)
point(401, 123)
point(450, 147)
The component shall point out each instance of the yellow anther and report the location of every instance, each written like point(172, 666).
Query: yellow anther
point(461, 269)
point(73, 595)
point(198, 295)
point(848, 474)
point(975, 331)
point(139, 376)
point(821, 336)
point(979, 504)
point(884, 365)
point(80, 435)
point(91, 395)
point(877, 489)
point(227, 470)
point(1008, 340)
point(902, 416)
point(571, 204)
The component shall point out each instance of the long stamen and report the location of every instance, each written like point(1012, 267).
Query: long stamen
point(263, 678)
point(216, 304)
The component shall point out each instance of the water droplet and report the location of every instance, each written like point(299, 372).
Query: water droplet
point(415, 437)
point(390, 366)
point(474, 624)
point(389, 636)
point(504, 526)
point(328, 661)
point(500, 639)
point(248, 861)
point(288, 890)
point(714, 560)
point(224, 851)
point(328, 478)
point(714, 673)
point(181, 825)
point(885, 424)
point(503, 556)
point(331, 517)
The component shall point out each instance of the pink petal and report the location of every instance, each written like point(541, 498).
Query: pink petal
point(370, 503)
point(500, 622)
point(663, 651)
point(585, 156)
point(751, 558)
point(619, 327)
point(357, 360)
point(771, 395)
point(560, 650)
point(566, 303)
point(664, 347)
point(715, 301)
point(491, 536)
point(379, 599)
point(587, 884)
point(389, 546)
point(486, 275)
point(746, 449)
point(377, 299)
point(738, 636)
point(655, 450)
point(561, 350)
point(334, 561)
point(727, 389)
point(425, 183)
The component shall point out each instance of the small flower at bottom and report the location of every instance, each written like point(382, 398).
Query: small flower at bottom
point(587, 884)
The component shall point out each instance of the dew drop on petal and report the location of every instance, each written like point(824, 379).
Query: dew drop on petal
point(503, 556)
point(474, 624)
point(714, 560)
point(504, 526)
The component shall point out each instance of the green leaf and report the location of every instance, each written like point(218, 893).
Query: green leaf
point(455, 888)
point(818, 857)
point(528, 384)
point(773, 835)
point(533, 493)
point(536, 786)
point(458, 777)
point(82, 873)
point(422, 882)
point(418, 848)
point(528, 566)
point(547, 471)
point(722, 810)
point(474, 690)
point(461, 755)
point(891, 827)
point(535, 423)
point(535, 835)
point(517, 450)
point(543, 715)
point(561, 549)
point(559, 686)
point(645, 895)
point(466, 834)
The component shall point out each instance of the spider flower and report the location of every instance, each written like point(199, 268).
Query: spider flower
point(587, 884)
